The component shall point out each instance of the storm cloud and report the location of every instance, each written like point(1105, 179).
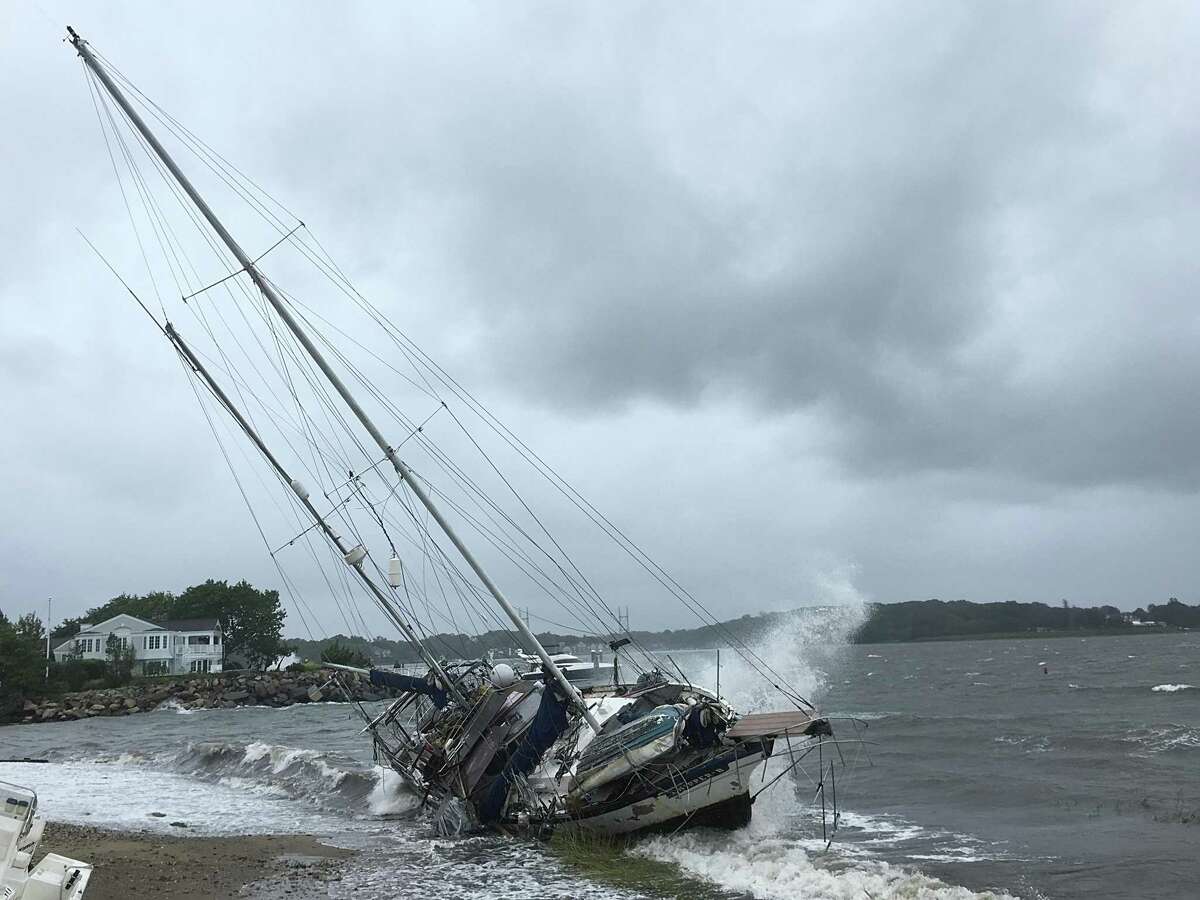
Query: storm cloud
point(904, 294)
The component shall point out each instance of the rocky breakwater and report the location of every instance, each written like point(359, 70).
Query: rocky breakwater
point(224, 691)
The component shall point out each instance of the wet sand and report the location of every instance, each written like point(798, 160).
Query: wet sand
point(148, 866)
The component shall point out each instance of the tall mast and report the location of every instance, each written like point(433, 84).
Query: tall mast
point(306, 342)
point(353, 559)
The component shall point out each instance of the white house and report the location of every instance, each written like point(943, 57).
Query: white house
point(172, 648)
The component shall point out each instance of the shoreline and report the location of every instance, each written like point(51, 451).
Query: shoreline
point(1028, 636)
point(183, 867)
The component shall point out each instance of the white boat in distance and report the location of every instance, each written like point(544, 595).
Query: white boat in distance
point(576, 670)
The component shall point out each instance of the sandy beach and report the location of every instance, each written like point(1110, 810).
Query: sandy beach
point(147, 866)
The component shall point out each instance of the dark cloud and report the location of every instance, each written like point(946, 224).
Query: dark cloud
point(787, 290)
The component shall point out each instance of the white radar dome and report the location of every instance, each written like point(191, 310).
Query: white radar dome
point(503, 675)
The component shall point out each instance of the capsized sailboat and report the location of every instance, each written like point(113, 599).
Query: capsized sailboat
point(479, 744)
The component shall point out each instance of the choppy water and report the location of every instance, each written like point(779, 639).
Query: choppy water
point(988, 776)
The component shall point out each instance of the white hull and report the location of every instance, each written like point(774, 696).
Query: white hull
point(686, 801)
point(54, 877)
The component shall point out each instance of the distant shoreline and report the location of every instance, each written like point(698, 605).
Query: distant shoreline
point(1031, 636)
point(910, 621)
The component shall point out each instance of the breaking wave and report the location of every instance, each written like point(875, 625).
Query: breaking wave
point(1170, 688)
point(776, 869)
point(802, 647)
point(327, 780)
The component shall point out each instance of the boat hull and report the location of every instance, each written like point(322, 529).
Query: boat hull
point(714, 793)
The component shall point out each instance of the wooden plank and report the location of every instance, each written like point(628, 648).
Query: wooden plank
point(758, 725)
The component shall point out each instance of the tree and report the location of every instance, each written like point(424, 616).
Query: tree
point(251, 619)
point(22, 661)
point(120, 658)
point(345, 655)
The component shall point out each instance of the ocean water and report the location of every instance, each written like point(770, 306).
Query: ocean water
point(1032, 768)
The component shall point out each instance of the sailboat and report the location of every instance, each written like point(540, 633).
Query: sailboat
point(479, 744)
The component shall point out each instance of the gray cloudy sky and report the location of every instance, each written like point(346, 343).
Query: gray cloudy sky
point(895, 300)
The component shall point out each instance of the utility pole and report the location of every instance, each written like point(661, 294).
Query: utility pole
point(49, 608)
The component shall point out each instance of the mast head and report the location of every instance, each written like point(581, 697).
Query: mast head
point(74, 40)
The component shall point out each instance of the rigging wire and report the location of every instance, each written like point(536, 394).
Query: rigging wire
point(586, 596)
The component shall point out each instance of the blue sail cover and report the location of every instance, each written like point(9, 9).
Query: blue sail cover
point(549, 722)
point(383, 678)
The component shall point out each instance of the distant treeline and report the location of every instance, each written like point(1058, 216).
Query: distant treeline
point(747, 629)
point(934, 619)
point(920, 620)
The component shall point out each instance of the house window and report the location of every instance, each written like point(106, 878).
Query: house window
point(198, 639)
point(216, 639)
point(200, 665)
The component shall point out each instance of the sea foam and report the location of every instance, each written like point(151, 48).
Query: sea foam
point(776, 869)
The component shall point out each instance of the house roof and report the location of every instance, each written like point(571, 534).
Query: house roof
point(193, 625)
point(100, 626)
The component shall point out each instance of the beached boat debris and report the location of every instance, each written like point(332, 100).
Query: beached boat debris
point(53, 877)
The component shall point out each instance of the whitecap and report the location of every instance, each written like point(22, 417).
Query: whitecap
point(390, 796)
point(1170, 688)
point(776, 869)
